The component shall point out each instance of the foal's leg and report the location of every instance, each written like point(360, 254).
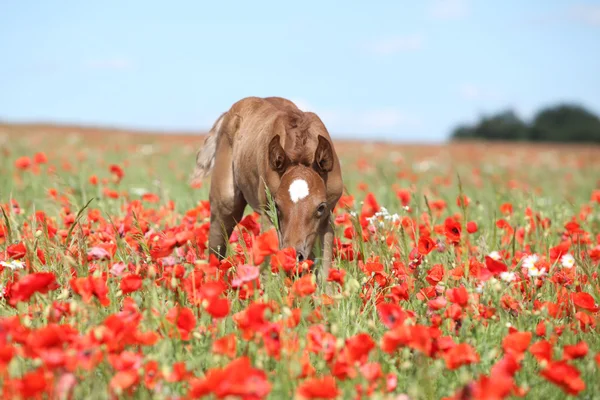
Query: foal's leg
point(227, 203)
point(223, 220)
point(327, 235)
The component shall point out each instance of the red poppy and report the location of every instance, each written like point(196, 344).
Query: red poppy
point(452, 230)
point(225, 345)
point(459, 355)
point(184, 320)
point(516, 343)
point(130, 283)
point(265, 245)
point(40, 158)
point(16, 251)
point(391, 315)
point(304, 286)
point(572, 352)
point(565, 376)
point(358, 347)
point(318, 388)
point(24, 288)
point(117, 171)
point(123, 380)
point(426, 245)
point(370, 206)
point(218, 308)
point(494, 266)
point(23, 163)
point(541, 350)
point(472, 227)
point(152, 374)
point(237, 379)
point(584, 301)
point(458, 295)
point(91, 286)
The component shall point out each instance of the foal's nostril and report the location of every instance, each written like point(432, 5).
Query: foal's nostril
point(299, 256)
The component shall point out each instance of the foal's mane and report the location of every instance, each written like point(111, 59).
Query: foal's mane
point(298, 146)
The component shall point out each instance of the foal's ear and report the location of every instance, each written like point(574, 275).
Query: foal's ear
point(323, 156)
point(278, 160)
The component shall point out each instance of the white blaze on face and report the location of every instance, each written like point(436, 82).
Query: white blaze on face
point(298, 190)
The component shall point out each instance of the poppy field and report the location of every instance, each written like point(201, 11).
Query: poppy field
point(461, 271)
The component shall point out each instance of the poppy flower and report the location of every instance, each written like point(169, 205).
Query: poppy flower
point(244, 273)
point(117, 171)
point(23, 163)
point(459, 355)
point(318, 388)
point(542, 350)
point(91, 286)
point(184, 320)
point(584, 301)
point(565, 376)
point(472, 227)
point(304, 286)
point(130, 283)
point(225, 345)
point(218, 308)
point(426, 245)
point(579, 350)
point(452, 230)
point(516, 343)
point(40, 158)
point(16, 251)
point(37, 282)
point(265, 245)
point(358, 347)
point(238, 379)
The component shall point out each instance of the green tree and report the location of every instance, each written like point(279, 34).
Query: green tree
point(565, 123)
point(505, 125)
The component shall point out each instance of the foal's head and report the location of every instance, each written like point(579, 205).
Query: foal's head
point(301, 198)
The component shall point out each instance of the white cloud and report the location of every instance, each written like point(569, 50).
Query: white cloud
point(397, 44)
point(586, 13)
point(110, 64)
point(449, 9)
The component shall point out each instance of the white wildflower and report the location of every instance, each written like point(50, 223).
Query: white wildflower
point(494, 255)
point(530, 261)
point(534, 272)
point(139, 191)
point(508, 276)
point(479, 288)
point(13, 264)
point(567, 261)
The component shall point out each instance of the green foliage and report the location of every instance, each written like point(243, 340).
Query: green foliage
point(560, 123)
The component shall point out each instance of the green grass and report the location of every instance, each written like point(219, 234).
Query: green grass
point(546, 182)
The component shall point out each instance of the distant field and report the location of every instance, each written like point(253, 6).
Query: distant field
point(464, 271)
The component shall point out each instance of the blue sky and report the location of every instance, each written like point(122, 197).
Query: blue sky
point(399, 70)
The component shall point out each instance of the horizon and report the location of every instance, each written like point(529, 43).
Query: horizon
point(411, 74)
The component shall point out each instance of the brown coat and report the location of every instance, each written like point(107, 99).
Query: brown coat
point(259, 141)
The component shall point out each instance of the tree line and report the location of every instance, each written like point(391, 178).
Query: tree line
point(560, 123)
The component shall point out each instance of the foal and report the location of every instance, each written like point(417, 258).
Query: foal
point(268, 143)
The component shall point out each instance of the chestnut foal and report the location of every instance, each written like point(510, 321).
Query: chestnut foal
point(269, 142)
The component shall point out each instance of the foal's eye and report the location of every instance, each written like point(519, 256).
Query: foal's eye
point(321, 209)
